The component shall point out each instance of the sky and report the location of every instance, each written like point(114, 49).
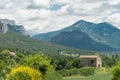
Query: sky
point(41, 16)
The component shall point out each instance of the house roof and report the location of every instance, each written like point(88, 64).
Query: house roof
point(89, 56)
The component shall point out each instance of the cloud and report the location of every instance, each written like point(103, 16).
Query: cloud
point(56, 6)
point(113, 18)
point(37, 4)
point(40, 16)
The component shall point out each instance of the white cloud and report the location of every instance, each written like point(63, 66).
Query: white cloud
point(114, 19)
point(41, 2)
point(37, 4)
point(38, 17)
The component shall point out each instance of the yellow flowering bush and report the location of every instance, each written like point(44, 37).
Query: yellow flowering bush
point(24, 73)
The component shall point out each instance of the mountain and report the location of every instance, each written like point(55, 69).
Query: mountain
point(103, 34)
point(7, 26)
point(78, 39)
point(14, 38)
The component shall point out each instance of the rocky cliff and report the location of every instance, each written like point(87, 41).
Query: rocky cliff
point(11, 26)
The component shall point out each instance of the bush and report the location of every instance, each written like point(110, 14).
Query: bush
point(2, 65)
point(24, 73)
point(116, 73)
point(52, 76)
point(86, 71)
point(38, 62)
point(64, 72)
point(69, 72)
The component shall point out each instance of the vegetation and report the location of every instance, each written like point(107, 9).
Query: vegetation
point(53, 75)
point(41, 63)
point(116, 72)
point(24, 73)
point(86, 71)
point(100, 74)
point(24, 58)
point(19, 43)
point(50, 67)
point(64, 62)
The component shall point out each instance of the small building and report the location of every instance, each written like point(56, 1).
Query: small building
point(90, 60)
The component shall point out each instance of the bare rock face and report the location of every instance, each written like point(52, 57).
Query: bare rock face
point(3, 28)
point(10, 25)
point(18, 29)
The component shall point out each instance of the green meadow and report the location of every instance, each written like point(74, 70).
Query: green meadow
point(100, 74)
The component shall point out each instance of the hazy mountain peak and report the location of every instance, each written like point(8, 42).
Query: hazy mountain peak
point(10, 26)
point(82, 22)
point(7, 21)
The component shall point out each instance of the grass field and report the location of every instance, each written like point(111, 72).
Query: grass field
point(100, 74)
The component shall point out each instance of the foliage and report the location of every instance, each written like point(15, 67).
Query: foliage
point(25, 44)
point(97, 76)
point(64, 62)
point(109, 60)
point(2, 65)
point(52, 76)
point(24, 73)
point(69, 72)
point(116, 72)
point(38, 62)
point(7, 61)
point(86, 71)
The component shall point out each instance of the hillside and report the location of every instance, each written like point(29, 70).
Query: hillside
point(78, 39)
point(101, 33)
point(14, 37)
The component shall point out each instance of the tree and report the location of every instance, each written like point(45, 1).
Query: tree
point(2, 65)
point(41, 63)
point(116, 72)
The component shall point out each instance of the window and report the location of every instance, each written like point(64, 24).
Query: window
point(92, 61)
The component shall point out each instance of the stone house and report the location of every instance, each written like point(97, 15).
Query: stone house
point(90, 60)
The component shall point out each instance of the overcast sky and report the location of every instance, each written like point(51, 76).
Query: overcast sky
point(40, 16)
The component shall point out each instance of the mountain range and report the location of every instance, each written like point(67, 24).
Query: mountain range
point(85, 35)
point(15, 38)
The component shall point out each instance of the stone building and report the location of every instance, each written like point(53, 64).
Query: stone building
point(91, 60)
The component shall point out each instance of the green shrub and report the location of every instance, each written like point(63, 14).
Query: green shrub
point(86, 71)
point(52, 76)
point(116, 72)
point(41, 63)
point(65, 72)
point(2, 65)
point(69, 72)
point(24, 73)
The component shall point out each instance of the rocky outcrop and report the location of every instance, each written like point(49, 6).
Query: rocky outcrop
point(11, 26)
point(3, 28)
